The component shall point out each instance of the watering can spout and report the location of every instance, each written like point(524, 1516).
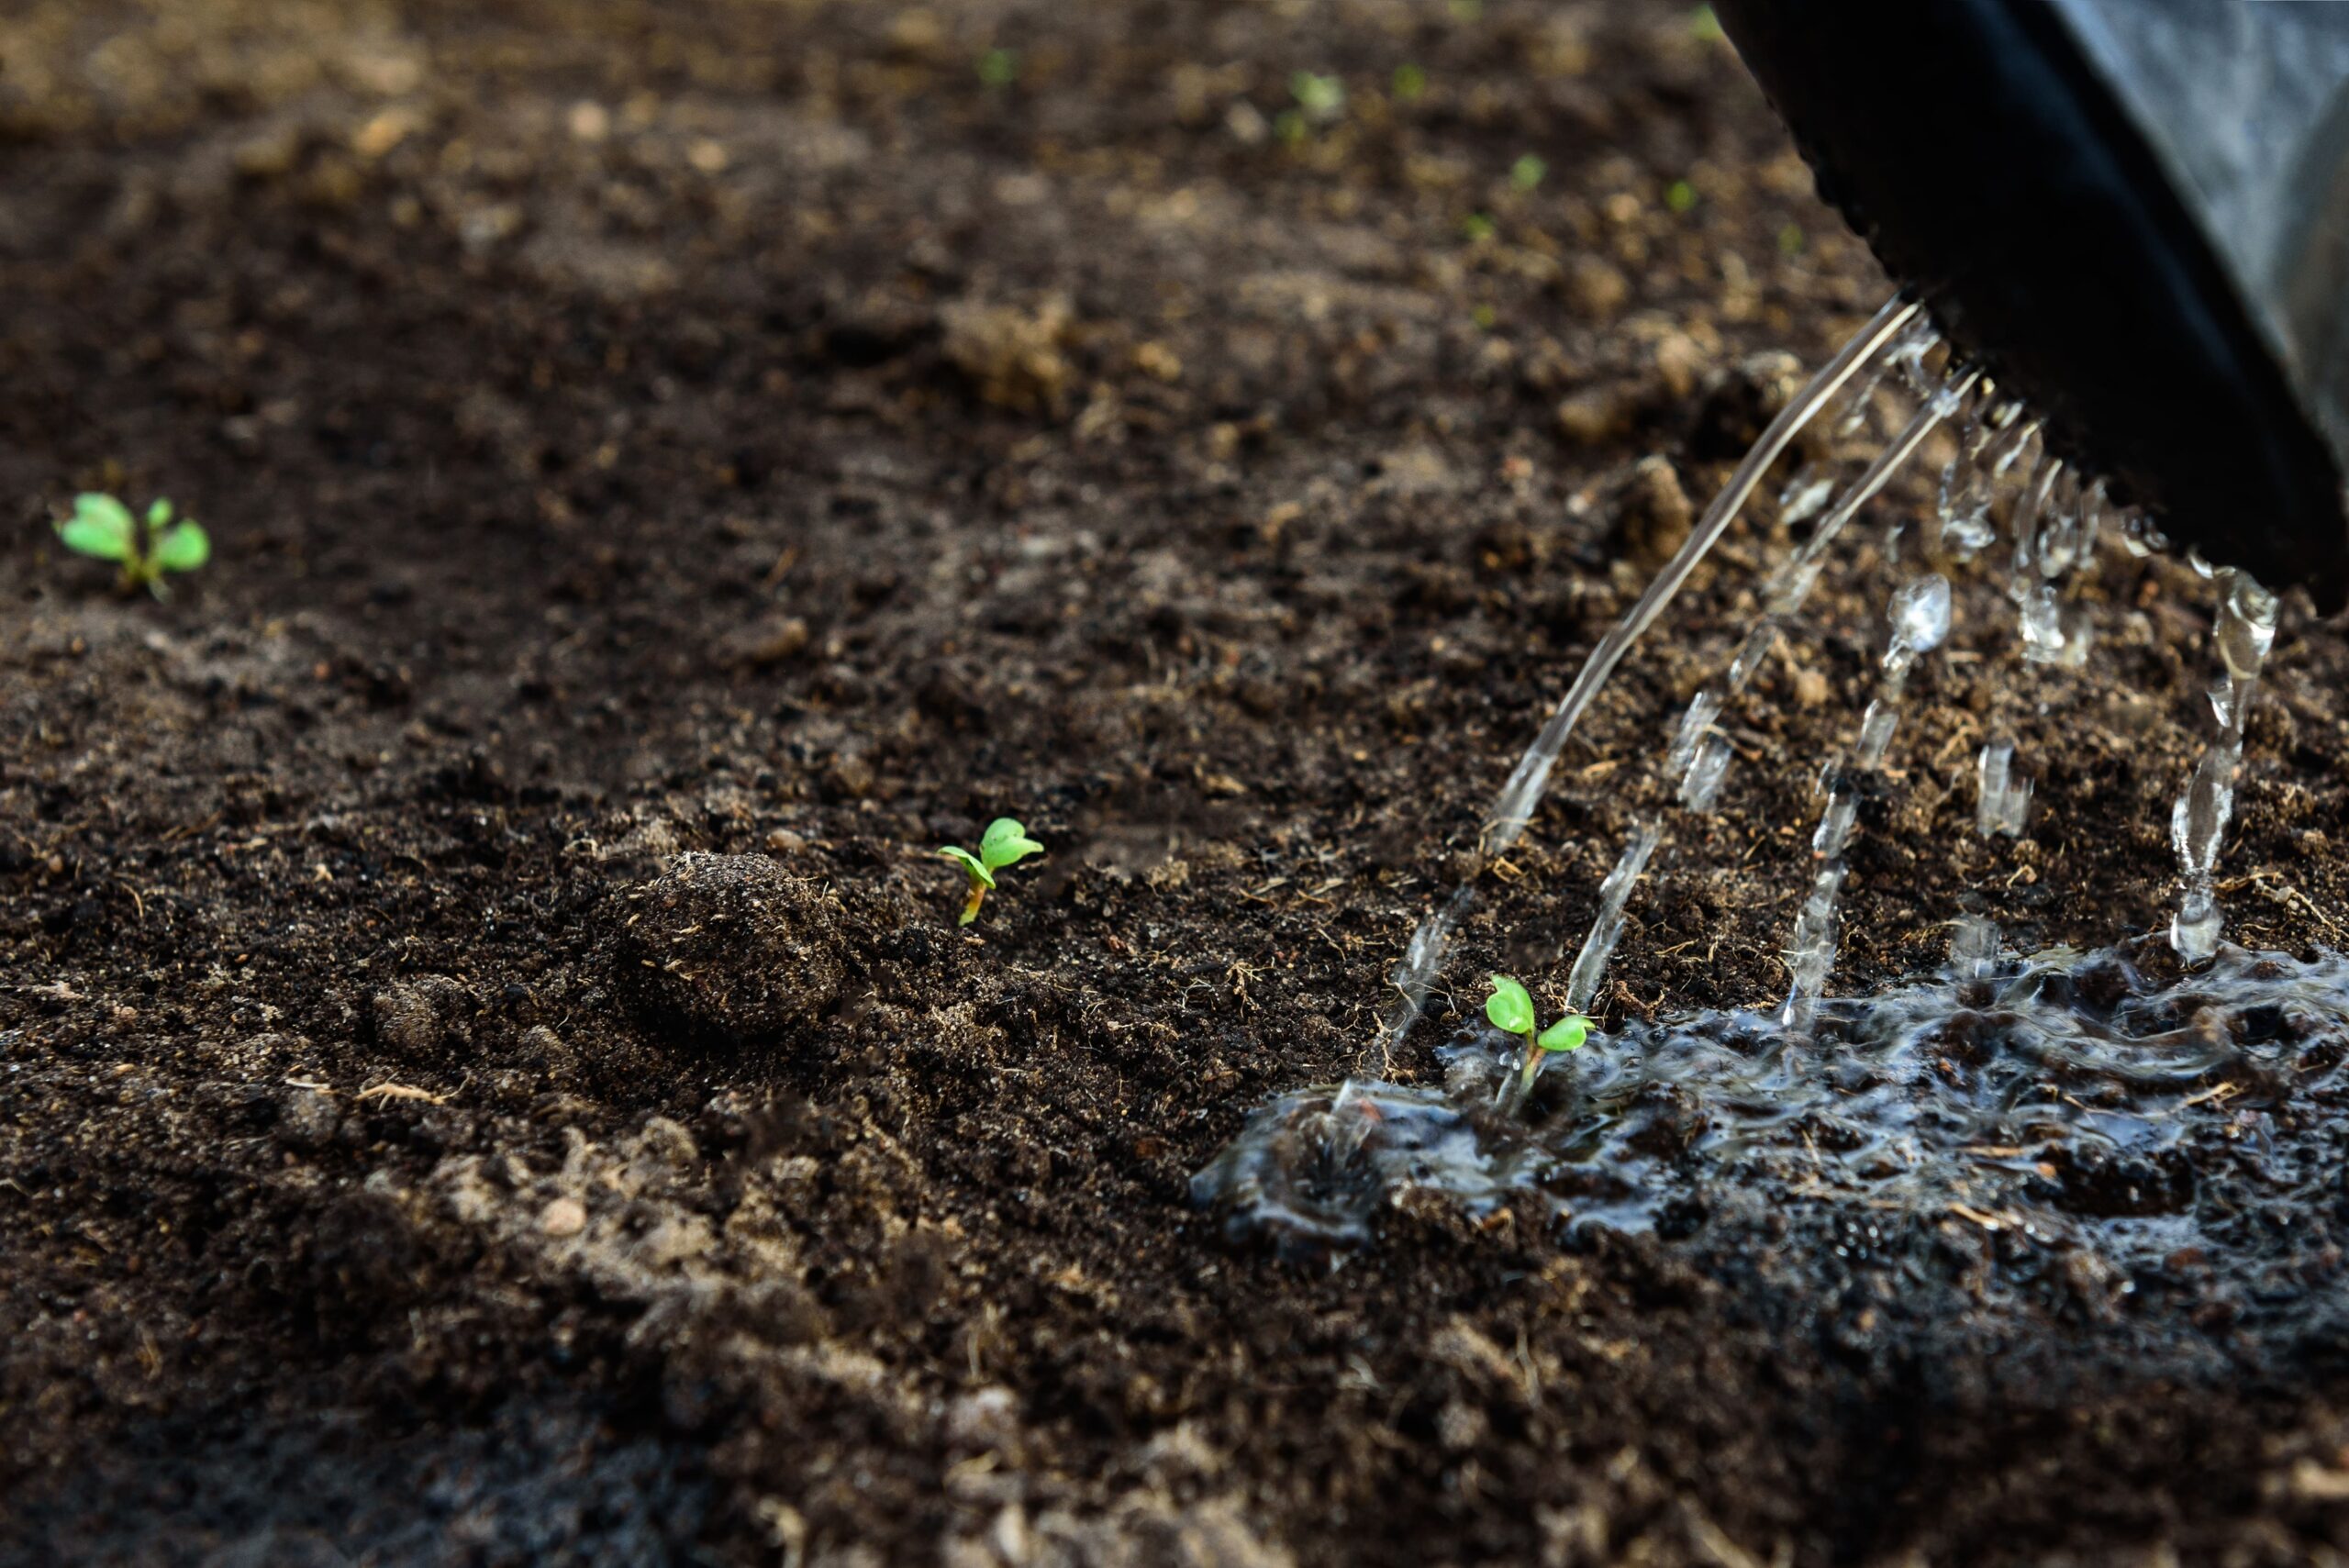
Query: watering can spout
point(2134, 212)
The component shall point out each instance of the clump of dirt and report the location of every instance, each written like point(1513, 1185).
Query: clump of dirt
point(1011, 356)
point(729, 947)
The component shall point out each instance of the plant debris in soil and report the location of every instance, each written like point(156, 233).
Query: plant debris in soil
point(488, 1070)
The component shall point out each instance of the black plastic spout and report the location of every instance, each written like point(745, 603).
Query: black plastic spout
point(1975, 147)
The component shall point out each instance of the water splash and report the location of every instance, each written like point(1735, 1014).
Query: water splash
point(2073, 1101)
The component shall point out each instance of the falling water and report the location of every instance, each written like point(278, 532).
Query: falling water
point(2055, 522)
point(2003, 796)
point(1424, 955)
point(1590, 964)
point(1921, 612)
point(1992, 443)
point(2197, 825)
point(2007, 1064)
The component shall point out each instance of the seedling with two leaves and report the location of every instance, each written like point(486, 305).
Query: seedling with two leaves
point(1006, 842)
point(103, 529)
point(1510, 1008)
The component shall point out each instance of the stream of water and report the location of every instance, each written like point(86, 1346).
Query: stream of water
point(2007, 1087)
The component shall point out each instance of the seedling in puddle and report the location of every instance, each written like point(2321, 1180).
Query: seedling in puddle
point(1510, 1008)
point(103, 529)
point(1006, 842)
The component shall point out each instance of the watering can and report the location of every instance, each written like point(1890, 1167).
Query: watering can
point(2132, 213)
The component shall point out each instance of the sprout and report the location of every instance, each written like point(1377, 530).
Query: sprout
point(1510, 1008)
point(103, 529)
point(1526, 172)
point(1322, 97)
point(1006, 842)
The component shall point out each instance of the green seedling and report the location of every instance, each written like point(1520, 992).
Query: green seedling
point(1004, 843)
point(999, 68)
point(1410, 82)
point(1510, 1008)
point(103, 529)
point(1319, 99)
point(1526, 172)
point(1323, 98)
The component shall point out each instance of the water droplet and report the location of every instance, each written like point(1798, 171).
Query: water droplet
point(1973, 945)
point(1700, 786)
point(1919, 620)
point(1876, 727)
point(2003, 798)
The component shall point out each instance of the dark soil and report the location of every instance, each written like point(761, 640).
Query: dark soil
point(491, 1071)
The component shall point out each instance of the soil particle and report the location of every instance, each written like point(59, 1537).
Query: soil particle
point(418, 1019)
point(565, 1216)
point(1011, 355)
point(729, 947)
point(1656, 513)
point(306, 1118)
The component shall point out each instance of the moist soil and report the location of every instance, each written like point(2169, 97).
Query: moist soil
point(492, 1075)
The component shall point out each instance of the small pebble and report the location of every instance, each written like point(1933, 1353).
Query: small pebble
point(563, 1217)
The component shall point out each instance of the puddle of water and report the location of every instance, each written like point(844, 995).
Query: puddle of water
point(2098, 1102)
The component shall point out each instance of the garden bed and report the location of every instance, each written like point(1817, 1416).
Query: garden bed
point(491, 1070)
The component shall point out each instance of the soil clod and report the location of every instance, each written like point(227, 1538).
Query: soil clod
point(728, 948)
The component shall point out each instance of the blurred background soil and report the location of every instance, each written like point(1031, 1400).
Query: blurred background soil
point(490, 1072)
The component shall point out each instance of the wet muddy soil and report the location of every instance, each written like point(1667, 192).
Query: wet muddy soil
point(488, 1070)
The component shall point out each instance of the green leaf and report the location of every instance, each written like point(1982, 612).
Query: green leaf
point(973, 867)
point(1323, 97)
point(1006, 843)
point(182, 546)
point(1566, 1034)
point(159, 514)
point(104, 508)
point(100, 527)
point(1509, 1007)
point(84, 536)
